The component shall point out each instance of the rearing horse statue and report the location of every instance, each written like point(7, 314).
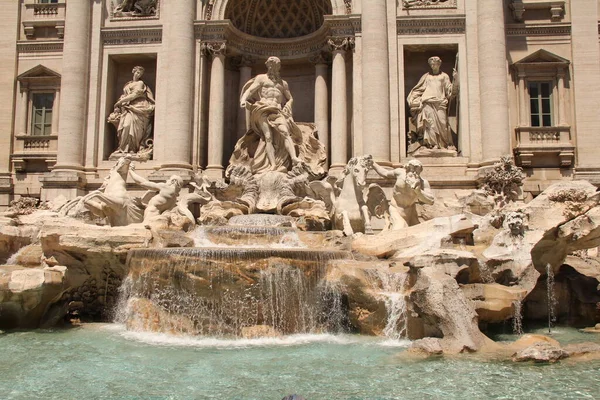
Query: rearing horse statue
point(350, 205)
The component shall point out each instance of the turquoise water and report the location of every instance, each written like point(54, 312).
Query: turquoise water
point(105, 362)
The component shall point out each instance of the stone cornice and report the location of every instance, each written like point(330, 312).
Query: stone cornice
point(343, 25)
point(239, 42)
point(127, 36)
point(38, 46)
point(431, 26)
point(553, 29)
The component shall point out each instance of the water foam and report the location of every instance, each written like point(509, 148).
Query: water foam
point(164, 339)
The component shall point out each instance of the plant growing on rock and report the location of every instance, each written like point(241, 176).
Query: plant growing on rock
point(504, 181)
point(574, 200)
point(27, 205)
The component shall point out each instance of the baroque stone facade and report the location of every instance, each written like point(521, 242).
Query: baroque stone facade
point(528, 72)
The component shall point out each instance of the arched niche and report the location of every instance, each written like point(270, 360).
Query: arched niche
point(219, 8)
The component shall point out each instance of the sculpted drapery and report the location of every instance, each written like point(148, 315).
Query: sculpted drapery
point(428, 102)
point(133, 114)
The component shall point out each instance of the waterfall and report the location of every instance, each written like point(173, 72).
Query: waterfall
point(247, 237)
point(392, 288)
point(220, 291)
point(551, 296)
point(517, 321)
point(485, 273)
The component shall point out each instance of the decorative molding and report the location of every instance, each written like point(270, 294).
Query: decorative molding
point(563, 29)
point(428, 4)
point(132, 36)
point(431, 26)
point(54, 46)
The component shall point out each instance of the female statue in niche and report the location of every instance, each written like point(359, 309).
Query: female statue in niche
point(132, 116)
point(428, 102)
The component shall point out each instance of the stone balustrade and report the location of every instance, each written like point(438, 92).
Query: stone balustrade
point(38, 15)
point(548, 146)
point(34, 148)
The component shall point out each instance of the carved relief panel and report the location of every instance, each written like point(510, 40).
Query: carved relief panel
point(134, 8)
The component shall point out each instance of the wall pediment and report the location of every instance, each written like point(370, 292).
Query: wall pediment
point(543, 56)
point(38, 71)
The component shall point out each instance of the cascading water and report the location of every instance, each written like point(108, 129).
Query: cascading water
point(486, 273)
point(221, 291)
point(517, 321)
point(247, 237)
point(392, 287)
point(551, 296)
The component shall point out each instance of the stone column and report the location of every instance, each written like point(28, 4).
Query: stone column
point(180, 43)
point(375, 81)
point(322, 100)
point(562, 104)
point(25, 112)
point(55, 108)
point(8, 70)
point(216, 118)
point(586, 86)
point(245, 75)
point(72, 114)
point(523, 106)
point(203, 106)
point(339, 104)
point(493, 85)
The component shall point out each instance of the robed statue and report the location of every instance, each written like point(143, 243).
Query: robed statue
point(132, 116)
point(428, 102)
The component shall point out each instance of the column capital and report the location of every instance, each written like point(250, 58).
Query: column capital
point(342, 44)
point(320, 58)
point(244, 61)
point(214, 49)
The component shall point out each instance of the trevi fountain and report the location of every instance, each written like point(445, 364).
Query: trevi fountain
point(281, 278)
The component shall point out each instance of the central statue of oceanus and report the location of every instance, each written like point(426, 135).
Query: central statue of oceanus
point(275, 142)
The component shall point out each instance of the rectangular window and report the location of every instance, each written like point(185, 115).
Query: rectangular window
point(47, 1)
point(41, 113)
point(540, 98)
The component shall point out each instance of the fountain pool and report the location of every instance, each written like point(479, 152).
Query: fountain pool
point(104, 361)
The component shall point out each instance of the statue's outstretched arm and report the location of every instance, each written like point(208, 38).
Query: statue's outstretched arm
point(145, 183)
point(385, 173)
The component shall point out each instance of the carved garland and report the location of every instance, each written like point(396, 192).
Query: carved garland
point(340, 44)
